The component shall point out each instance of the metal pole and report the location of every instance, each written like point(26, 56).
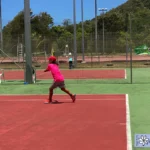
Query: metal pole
point(103, 37)
point(1, 30)
point(29, 70)
point(130, 48)
point(82, 31)
point(96, 26)
point(126, 51)
point(75, 43)
point(103, 12)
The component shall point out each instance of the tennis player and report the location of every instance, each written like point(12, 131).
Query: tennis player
point(58, 80)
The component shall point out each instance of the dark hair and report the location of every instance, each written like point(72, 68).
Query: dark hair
point(55, 62)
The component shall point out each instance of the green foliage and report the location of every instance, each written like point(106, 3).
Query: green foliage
point(42, 23)
point(66, 22)
point(114, 22)
point(123, 41)
point(16, 26)
point(47, 36)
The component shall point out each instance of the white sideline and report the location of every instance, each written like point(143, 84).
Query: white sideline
point(128, 125)
point(1, 75)
point(125, 74)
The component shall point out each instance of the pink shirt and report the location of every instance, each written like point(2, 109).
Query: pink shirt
point(55, 72)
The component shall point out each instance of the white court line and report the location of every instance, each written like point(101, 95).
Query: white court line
point(128, 126)
point(125, 74)
point(82, 99)
point(62, 94)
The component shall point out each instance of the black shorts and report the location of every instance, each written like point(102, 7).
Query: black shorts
point(60, 84)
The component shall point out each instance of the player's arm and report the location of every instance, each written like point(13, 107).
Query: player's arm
point(47, 69)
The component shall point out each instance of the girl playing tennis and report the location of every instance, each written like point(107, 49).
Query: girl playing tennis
point(58, 80)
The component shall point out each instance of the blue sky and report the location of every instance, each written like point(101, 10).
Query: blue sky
point(58, 9)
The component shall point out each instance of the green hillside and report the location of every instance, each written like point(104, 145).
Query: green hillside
point(46, 35)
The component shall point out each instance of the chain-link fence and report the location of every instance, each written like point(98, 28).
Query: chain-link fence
point(113, 55)
point(113, 52)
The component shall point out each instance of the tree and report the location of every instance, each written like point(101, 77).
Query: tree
point(66, 22)
point(41, 24)
point(114, 22)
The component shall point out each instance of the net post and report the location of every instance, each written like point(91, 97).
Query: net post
point(130, 49)
point(45, 57)
point(127, 49)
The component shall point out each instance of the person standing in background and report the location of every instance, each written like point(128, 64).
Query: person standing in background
point(70, 61)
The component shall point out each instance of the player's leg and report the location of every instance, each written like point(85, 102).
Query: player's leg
point(63, 88)
point(50, 94)
point(51, 89)
point(66, 91)
point(73, 96)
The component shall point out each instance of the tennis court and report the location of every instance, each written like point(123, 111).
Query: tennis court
point(28, 123)
point(72, 74)
point(98, 118)
point(110, 76)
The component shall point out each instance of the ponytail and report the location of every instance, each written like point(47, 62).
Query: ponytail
point(55, 62)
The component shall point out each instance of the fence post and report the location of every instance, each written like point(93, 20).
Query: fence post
point(130, 49)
